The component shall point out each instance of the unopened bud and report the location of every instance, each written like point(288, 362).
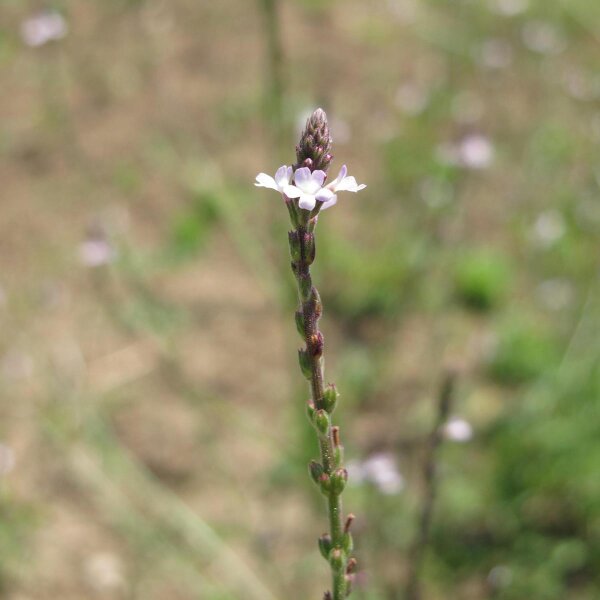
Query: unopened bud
point(316, 470)
point(316, 303)
point(330, 396)
point(325, 545)
point(316, 344)
point(347, 542)
point(308, 242)
point(299, 315)
point(337, 559)
point(349, 520)
point(325, 483)
point(351, 566)
point(305, 364)
point(310, 410)
point(295, 247)
point(321, 422)
point(338, 480)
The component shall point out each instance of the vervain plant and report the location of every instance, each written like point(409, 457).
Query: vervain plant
point(305, 194)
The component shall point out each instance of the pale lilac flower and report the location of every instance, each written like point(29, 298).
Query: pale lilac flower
point(309, 188)
point(342, 183)
point(277, 183)
point(43, 28)
point(458, 430)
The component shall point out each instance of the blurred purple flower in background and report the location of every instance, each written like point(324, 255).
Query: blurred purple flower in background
point(43, 27)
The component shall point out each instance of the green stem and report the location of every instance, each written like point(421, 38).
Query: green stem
point(311, 311)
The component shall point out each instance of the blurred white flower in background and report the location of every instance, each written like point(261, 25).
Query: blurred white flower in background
point(7, 459)
point(43, 27)
point(458, 430)
point(548, 228)
point(543, 38)
point(379, 469)
point(510, 8)
point(475, 151)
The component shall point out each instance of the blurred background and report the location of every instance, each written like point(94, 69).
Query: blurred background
point(153, 442)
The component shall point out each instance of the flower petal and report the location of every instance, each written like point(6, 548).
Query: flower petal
point(291, 191)
point(324, 195)
point(282, 177)
point(302, 177)
point(319, 177)
point(329, 203)
point(264, 180)
point(348, 184)
point(307, 201)
point(343, 172)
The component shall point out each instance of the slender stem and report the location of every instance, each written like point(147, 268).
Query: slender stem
point(446, 396)
point(331, 462)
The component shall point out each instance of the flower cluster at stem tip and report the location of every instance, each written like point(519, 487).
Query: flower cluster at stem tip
point(309, 186)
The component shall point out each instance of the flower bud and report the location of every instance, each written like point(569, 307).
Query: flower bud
point(338, 480)
point(315, 143)
point(305, 364)
point(351, 566)
point(295, 247)
point(317, 305)
point(300, 322)
point(347, 542)
point(337, 559)
point(330, 396)
point(316, 470)
point(310, 410)
point(308, 241)
point(325, 545)
point(321, 422)
point(325, 483)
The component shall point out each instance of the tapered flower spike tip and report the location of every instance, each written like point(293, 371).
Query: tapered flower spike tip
point(314, 149)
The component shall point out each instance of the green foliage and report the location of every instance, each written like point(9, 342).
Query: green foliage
point(524, 351)
point(482, 279)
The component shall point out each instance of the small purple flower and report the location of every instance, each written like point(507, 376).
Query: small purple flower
point(277, 183)
point(342, 183)
point(308, 186)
